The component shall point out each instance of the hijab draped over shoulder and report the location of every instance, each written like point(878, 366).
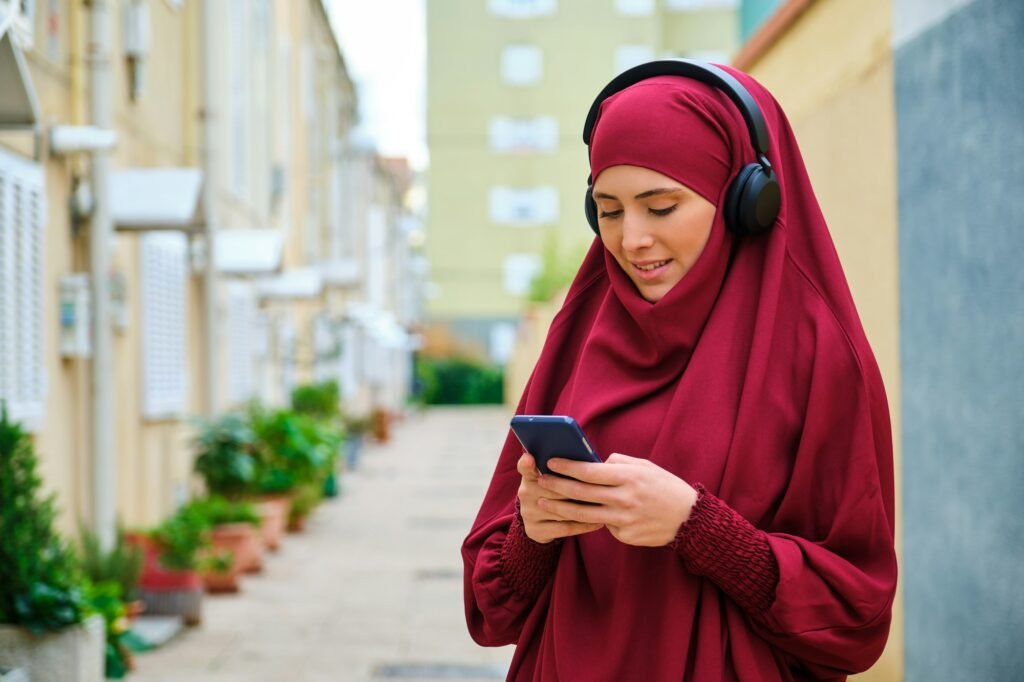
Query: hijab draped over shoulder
point(752, 377)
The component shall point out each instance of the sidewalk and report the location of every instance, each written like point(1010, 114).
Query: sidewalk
point(373, 589)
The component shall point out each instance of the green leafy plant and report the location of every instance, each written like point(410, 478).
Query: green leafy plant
point(459, 381)
point(105, 598)
point(181, 537)
point(40, 578)
point(122, 565)
point(216, 510)
point(225, 461)
point(319, 400)
point(216, 561)
point(305, 498)
point(291, 449)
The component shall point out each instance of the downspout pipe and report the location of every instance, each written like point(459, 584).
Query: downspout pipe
point(100, 246)
point(211, 175)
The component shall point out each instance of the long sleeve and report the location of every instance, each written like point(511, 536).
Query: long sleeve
point(719, 544)
point(504, 579)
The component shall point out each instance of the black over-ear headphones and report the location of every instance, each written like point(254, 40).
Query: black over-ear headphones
point(752, 202)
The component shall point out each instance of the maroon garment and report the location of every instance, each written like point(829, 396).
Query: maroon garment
point(752, 380)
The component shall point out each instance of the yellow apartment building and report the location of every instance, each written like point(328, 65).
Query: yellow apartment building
point(230, 219)
point(509, 83)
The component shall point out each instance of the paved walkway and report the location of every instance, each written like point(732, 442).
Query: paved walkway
point(373, 589)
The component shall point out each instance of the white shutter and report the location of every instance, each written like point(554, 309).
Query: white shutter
point(164, 277)
point(522, 64)
point(523, 206)
point(241, 341)
point(22, 221)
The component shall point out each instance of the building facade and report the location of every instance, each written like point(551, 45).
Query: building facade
point(236, 246)
point(506, 103)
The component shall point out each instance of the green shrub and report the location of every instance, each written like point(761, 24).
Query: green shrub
point(182, 537)
point(291, 449)
point(216, 510)
point(40, 580)
point(122, 565)
point(458, 381)
point(320, 400)
point(225, 458)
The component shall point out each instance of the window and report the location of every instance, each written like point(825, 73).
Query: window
point(695, 5)
point(242, 338)
point(164, 265)
point(524, 206)
point(519, 270)
point(503, 342)
point(522, 9)
point(522, 65)
point(515, 135)
point(637, 8)
point(22, 220)
point(628, 56)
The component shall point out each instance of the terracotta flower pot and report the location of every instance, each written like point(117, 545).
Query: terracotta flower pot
point(243, 542)
point(227, 582)
point(274, 512)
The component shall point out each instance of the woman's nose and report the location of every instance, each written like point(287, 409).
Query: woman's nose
point(636, 234)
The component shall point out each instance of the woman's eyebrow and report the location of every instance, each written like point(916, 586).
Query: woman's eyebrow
point(642, 195)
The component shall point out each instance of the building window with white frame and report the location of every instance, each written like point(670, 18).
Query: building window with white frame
point(22, 222)
point(522, 65)
point(164, 266)
point(635, 8)
point(519, 270)
point(523, 206)
point(523, 134)
point(522, 9)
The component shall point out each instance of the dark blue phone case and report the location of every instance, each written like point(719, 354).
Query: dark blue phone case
point(547, 436)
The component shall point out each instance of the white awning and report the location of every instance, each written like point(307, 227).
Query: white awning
point(298, 283)
point(248, 252)
point(344, 274)
point(156, 198)
point(19, 107)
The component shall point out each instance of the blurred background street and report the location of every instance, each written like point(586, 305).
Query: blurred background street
point(373, 589)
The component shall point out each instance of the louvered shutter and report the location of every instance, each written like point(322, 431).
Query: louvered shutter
point(22, 221)
point(241, 343)
point(162, 293)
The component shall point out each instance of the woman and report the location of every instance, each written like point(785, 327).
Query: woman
point(742, 529)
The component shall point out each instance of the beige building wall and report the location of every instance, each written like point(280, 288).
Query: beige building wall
point(832, 72)
point(582, 46)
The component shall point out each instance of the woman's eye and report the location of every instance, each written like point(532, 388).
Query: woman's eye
point(610, 214)
point(663, 211)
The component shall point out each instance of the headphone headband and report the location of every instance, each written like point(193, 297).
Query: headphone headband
point(687, 68)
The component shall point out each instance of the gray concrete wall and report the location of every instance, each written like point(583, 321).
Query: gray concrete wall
point(960, 106)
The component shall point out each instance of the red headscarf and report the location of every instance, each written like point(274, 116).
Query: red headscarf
point(751, 376)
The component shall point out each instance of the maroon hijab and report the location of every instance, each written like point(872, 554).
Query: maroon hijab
point(751, 376)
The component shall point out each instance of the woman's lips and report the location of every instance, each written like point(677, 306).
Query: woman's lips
point(650, 269)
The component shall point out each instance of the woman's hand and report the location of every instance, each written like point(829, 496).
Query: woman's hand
point(541, 525)
point(640, 503)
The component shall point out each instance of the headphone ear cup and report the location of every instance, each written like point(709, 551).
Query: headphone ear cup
point(752, 202)
point(590, 210)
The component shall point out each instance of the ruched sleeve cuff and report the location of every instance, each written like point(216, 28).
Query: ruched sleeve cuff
point(527, 565)
point(719, 544)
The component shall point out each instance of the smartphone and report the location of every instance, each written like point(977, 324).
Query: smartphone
point(548, 436)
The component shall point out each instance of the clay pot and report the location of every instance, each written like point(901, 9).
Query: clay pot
point(274, 512)
point(167, 592)
point(242, 540)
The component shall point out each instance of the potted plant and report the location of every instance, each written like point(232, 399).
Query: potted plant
point(121, 565)
point(47, 626)
point(170, 583)
point(234, 530)
point(356, 428)
point(225, 460)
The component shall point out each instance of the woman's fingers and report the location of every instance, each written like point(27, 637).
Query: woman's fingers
point(527, 466)
point(572, 489)
point(580, 513)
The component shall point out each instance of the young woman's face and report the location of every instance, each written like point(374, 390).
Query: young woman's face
point(655, 227)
